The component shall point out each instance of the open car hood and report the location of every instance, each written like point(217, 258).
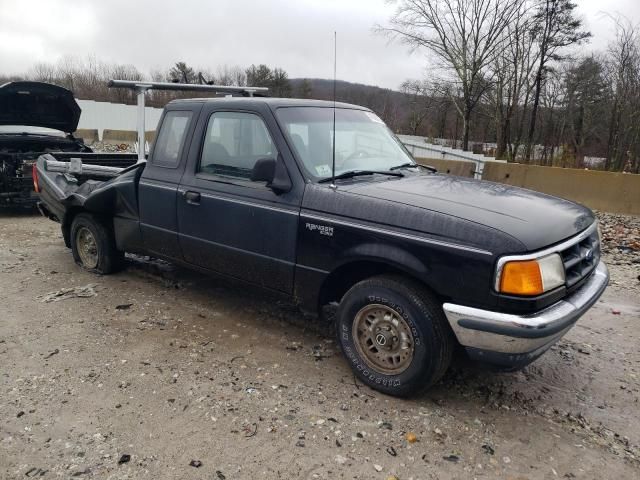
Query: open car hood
point(39, 105)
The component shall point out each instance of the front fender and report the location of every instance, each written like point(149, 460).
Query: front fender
point(390, 255)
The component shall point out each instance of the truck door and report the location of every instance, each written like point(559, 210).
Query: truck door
point(157, 191)
point(228, 223)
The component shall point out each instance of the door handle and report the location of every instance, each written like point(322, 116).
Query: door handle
point(192, 198)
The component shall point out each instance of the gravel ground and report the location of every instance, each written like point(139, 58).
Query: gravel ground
point(157, 372)
point(124, 147)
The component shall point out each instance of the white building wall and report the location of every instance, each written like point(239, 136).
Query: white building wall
point(116, 116)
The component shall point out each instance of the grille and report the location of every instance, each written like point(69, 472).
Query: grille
point(580, 259)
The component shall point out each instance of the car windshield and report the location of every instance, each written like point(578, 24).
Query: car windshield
point(363, 141)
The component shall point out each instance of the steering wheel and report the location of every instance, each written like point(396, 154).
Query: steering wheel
point(354, 156)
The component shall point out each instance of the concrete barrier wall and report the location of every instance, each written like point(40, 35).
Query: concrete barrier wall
point(110, 135)
point(607, 191)
point(125, 136)
point(88, 135)
point(453, 167)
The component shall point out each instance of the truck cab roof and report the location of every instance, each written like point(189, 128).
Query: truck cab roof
point(272, 102)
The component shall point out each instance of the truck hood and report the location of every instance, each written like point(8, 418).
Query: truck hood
point(535, 219)
point(39, 105)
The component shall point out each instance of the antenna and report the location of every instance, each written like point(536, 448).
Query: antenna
point(333, 153)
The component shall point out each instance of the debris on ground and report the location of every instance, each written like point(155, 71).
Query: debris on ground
point(51, 354)
point(195, 463)
point(620, 235)
point(411, 437)
point(488, 449)
point(113, 147)
point(35, 472)
point(124, 458)
point(73, 292)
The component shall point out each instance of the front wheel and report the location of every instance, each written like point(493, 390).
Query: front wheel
point(93, 245)
point(394, 334)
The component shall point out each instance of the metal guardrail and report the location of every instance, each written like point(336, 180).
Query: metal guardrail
point(414, 145)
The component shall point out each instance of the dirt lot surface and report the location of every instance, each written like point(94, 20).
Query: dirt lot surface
point(166, 374)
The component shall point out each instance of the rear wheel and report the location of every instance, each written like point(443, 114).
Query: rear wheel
point(395, 335)
point(93, 245)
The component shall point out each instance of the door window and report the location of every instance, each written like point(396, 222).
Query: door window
point(171, 139)
point(234, 142)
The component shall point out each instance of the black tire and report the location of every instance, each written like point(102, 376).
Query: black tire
point(107, 257)
point(433, 341)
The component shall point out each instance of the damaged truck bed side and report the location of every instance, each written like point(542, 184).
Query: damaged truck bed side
point(418, 262)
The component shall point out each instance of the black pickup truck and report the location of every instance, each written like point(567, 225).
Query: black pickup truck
point(419, 263)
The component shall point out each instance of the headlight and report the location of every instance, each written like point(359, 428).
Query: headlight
point(531, 277)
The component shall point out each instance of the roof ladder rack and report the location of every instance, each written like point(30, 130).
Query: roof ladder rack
point(142, 87)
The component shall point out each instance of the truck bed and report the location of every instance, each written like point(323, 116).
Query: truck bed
point(62, 193)
point(16, 182)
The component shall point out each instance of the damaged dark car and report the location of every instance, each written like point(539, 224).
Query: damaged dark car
point(35, 118)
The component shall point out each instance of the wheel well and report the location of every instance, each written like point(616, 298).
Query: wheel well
point(346, 276)
point(66, 222)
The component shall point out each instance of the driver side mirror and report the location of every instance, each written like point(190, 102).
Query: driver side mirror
point(273, 172)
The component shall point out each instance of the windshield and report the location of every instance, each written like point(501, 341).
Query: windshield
point(363, 141)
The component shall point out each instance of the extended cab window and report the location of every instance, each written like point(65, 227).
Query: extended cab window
point(234, 142)
point(171, 139)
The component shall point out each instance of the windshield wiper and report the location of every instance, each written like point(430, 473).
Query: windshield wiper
point(357, 173)
point(413, 165)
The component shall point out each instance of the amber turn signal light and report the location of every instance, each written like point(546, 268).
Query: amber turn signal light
point(521, 278)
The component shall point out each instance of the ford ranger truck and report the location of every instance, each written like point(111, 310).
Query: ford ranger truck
point(418, 262)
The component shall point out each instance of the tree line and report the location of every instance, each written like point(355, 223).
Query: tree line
point(513, 72)
point(88, 77)
point(506, 77)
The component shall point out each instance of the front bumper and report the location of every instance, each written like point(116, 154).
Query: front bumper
point(515, 340)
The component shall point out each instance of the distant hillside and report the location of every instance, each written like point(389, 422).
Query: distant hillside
point(323, 89)
point(402, 112)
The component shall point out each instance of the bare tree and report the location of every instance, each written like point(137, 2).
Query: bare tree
point(623, 72)
point(227, 75)
point(465, 35)
point(420, 98)
point(513, 69)
point(557, 27)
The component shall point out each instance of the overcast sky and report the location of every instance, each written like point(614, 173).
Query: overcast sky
point(296, 35)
